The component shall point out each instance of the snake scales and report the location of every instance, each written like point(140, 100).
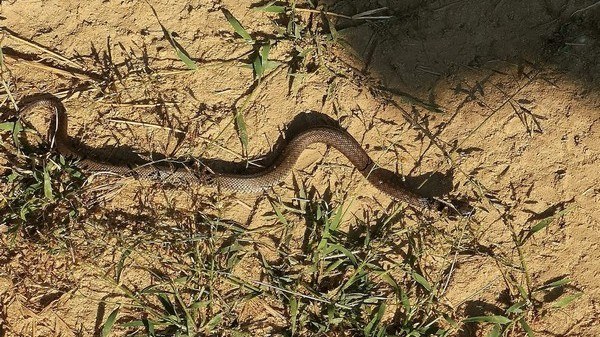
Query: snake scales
point(384, 180)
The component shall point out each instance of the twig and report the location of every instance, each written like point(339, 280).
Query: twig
point(64, 94)
point(39, 47)
point(150, 125)
point(308, 10)
point(4, 84)
point(360, 16)
point(585, 8)
point(139, 105)
point(156, 126)
point(48, 68)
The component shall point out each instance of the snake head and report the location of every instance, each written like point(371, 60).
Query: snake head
point(394, 185)
point(463, 207)
point(452, 208)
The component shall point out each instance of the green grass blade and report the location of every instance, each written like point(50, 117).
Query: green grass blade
point(526, 327)
point(496, 331)
point(134, 324)
point(181, 53)
point(7, 126)
point(422, 281)
point(15, 134)
point(264, 53)
point(279, 214)
point(542, 224)
point(516, 308)
point(566, 300)
point(257, 67)
point(523, 293)
point(110, 322)
point(488, 319)
point(271, 65)
point(149, 327)
point(333, 31)
point(558, 283)
point(237, 26)
point(344, 251)
point(240, 124)
point(405, 301)
point(337, 218)
point(386, 277)
point(293, 313)
point(14, 128)
point(47, 184)
point(190, 323)
point(166, 303)
point(119, 266)
point(375, 320)
point(213, 323)
point(271, 8)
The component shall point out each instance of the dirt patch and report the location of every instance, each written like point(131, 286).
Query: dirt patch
point(498, 99)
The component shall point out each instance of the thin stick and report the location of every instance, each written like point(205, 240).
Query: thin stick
point(174, 72)
point(48, 68)
point(4, 84)
point(138, 105)
point(150, 125)
point(12, 99)
point(156, 126)
point(323, 12)
point(39, 47)
point(267, 285)
point(208, 64)
point(67, 93)
point(585, 8)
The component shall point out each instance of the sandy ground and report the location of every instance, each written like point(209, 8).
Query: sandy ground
point(505, 95)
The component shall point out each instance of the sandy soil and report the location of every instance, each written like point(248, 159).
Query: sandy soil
point(499, 97)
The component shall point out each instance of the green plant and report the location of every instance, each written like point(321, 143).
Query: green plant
point(43, 191)
point(338, 282)
point(529, 297)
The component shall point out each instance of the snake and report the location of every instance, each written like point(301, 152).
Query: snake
point(384, 180)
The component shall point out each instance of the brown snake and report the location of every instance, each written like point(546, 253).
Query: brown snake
point(384, 180)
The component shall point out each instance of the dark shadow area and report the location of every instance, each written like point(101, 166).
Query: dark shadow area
point(549, 212)
point(426, 41)
point(553, 294)
point(477, 308)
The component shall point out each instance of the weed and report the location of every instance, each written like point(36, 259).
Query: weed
point(339, 282)
point(193, 303)
point(38, 196)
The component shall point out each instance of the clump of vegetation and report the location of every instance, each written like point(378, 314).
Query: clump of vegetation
point(348, 281)
point(40, 190)
point(340, 279)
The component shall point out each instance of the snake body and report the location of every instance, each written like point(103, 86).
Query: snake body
point(384, 180)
